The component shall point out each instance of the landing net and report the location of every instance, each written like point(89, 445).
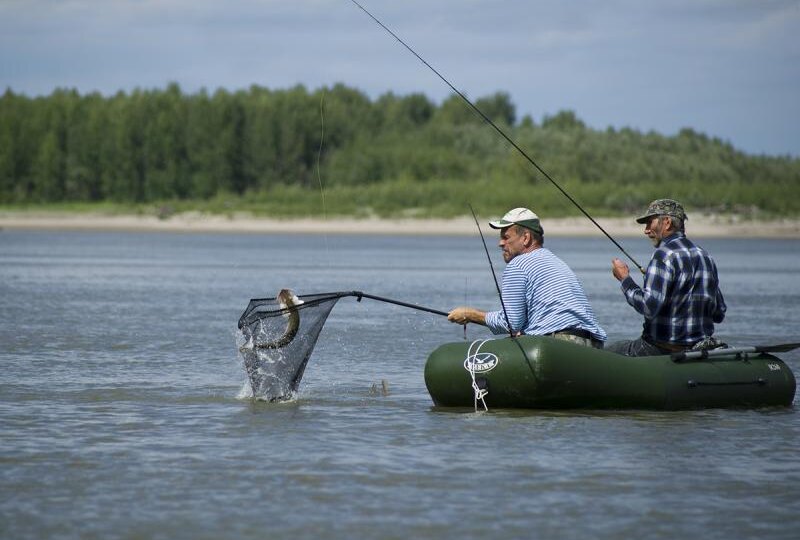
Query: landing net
point(278, 336)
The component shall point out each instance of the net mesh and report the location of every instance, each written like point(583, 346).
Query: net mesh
point(278, 336)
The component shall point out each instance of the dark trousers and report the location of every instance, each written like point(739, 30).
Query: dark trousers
point(635, 347)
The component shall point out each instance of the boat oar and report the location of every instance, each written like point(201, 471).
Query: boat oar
point(695, 355)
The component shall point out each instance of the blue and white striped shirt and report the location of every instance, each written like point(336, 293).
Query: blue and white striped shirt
point(680, 299)
point(542, 295)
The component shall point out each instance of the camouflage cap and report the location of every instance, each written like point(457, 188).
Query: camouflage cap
point(663, 207)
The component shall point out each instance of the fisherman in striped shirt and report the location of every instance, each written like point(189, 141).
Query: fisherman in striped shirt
point(540, 293)
point(680, 298)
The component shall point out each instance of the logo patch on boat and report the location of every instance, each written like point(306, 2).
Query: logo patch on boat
point(481, 362)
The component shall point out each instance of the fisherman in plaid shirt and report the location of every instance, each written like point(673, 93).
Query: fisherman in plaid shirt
point(680, 299)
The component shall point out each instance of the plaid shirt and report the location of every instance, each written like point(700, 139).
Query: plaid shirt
point(680, 299)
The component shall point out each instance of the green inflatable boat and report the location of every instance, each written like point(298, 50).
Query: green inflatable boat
point(546, 373)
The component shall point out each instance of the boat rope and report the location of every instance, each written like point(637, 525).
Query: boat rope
point(500, 132)
point(470, 363)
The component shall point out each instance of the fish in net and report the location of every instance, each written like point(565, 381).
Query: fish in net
point(279, 335)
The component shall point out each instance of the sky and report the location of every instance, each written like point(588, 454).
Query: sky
point(726, 68)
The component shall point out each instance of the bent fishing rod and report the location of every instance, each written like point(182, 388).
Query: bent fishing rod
point(499, 131)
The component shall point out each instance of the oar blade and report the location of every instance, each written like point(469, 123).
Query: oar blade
point(785, 347)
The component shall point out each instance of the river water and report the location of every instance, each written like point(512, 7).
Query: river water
point(122, 408)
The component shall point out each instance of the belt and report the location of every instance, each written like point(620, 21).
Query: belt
point(671, 347)
point(579, 332)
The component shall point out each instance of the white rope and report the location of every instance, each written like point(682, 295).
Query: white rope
point(469, 363)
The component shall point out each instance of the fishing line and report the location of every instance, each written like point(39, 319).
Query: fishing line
point(499, 131)
point(319, 174)
point(466, 288)
point(494, 276)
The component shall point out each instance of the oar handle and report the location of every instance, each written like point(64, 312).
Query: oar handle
point(359, 295)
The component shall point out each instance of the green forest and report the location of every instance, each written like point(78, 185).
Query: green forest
point(296, 152)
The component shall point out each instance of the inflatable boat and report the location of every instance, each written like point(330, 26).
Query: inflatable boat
point(546, 373)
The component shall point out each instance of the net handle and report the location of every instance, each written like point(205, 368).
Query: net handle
point(359, 295)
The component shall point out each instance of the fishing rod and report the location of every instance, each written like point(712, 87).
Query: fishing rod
point(500, 131)
point(494, 276)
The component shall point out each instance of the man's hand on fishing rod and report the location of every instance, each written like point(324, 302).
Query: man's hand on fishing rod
point(464, 315)
point(619, 269)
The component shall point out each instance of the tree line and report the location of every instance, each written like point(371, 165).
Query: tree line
point(277, 151)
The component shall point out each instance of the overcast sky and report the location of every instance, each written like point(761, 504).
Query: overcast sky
point(727, 68)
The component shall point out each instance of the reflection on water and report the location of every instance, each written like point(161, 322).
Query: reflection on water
point(120, 412)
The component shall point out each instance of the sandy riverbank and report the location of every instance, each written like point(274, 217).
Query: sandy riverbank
point(697, 226)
